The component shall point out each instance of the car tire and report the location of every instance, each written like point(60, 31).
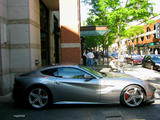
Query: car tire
point(132, 96)
point(38, 97)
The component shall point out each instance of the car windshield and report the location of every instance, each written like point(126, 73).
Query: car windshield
point(156, 57)
point(97, 74)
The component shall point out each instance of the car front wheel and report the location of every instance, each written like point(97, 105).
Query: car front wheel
point(132, 96)
point(38, 97)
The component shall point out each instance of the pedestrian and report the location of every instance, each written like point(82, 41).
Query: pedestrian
point(84, 57)
point(156, 52)
point(90, 57)
point(112, 64)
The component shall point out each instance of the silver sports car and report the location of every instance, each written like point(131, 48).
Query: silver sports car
point(79, 84)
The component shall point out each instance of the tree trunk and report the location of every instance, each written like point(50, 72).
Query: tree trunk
point(103, 55)
point(107, 55)
point(119, 47)
point(119, 53)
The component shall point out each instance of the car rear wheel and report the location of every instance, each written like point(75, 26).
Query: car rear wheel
point(132, 96)
point(38, 97)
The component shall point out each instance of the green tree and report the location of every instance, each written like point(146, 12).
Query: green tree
point(133, 31)
point(116, 14)
point(92, 41)
point(106, 40)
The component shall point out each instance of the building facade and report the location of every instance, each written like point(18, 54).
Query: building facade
point(35, 33)
point(146, 43)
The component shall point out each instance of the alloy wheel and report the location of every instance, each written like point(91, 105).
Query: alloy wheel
point(38, 98)
point(133, 96)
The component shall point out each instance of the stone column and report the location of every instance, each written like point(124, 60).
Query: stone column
point(5, 82)
point(20, 39)
point(70, 31)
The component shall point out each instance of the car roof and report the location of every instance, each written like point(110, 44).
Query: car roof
point(57, 66)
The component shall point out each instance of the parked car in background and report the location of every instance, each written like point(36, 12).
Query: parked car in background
point(151, 62)
point(134, 59)
point(109, 54)
point(115, 55)
point(79, 84)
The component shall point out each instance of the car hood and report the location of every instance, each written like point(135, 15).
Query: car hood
point(115, 75)
point(120, 79)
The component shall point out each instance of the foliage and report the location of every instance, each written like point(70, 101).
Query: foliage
point(116, 14)
point(150, 22)
point(92, 41)
point(134, 31)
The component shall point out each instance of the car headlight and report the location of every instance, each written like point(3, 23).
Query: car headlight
point(157, 64)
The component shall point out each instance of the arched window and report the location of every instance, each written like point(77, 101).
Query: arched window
point(132, 40)
point(155, 29)
point(148, 29)
point(142, 38)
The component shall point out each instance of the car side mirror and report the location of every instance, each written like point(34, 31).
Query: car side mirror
point(88, 77)
point(104, 74)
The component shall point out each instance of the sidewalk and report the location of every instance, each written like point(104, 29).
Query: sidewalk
point(138, 72)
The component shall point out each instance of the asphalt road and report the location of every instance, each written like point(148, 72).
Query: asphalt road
point(10, 111)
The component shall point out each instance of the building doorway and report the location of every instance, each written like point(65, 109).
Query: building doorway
point(44, 27)
point(56, 38)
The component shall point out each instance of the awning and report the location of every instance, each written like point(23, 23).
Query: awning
point(94, 31)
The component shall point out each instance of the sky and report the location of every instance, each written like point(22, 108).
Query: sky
point(84, 12)
point(85, 9)
point(157, 6)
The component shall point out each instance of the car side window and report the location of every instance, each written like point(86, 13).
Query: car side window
point(50, 72)
point(149, 58)
point(71, 73)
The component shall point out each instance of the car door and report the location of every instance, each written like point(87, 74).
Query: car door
point(72, 85)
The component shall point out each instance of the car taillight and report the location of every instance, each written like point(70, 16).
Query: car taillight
point(17, 85)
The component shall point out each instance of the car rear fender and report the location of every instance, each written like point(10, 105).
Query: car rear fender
point(42, 86)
